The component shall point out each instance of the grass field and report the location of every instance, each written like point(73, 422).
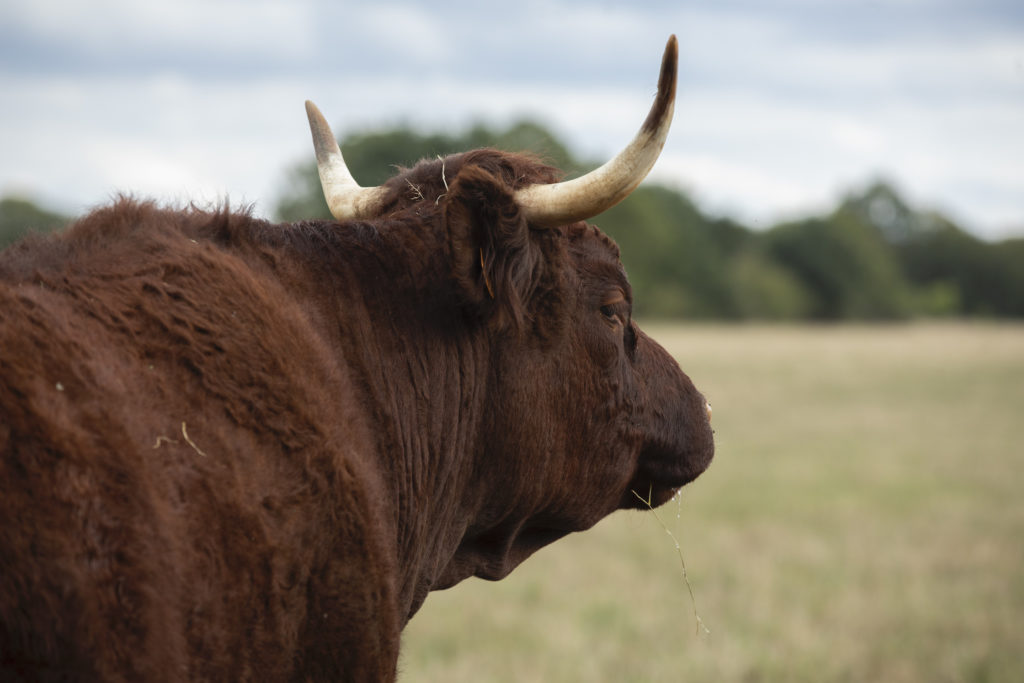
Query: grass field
point(863, 521)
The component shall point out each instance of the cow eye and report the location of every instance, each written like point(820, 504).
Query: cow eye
point(615, 310)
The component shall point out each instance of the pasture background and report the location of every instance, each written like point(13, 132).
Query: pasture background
point(863, 520)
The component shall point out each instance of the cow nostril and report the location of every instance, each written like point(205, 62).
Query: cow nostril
point(707, 406)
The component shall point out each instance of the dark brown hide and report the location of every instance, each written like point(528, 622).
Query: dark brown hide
point(237, 450)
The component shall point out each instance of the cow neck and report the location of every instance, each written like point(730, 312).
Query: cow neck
point(418, 371)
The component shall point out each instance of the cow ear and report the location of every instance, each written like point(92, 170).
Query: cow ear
point(495, 264)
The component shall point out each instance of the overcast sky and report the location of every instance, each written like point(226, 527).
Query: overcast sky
point(782, 106)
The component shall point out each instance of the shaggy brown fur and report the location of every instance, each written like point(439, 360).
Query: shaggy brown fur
point(237, 450)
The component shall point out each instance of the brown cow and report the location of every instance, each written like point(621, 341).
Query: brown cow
point(237, 450)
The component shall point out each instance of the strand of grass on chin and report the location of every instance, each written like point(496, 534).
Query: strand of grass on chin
point(679, 551)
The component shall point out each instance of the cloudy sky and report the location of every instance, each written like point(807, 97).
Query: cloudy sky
point(783, 104)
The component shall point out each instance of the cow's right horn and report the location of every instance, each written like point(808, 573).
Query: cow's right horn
point(604, 187)
point(345, 198)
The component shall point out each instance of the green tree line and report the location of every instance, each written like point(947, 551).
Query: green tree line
point(873, 257)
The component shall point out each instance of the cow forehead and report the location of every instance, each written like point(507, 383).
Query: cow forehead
point(596, 257)
point(433, 176)
point(591, 239)
point(589, 245)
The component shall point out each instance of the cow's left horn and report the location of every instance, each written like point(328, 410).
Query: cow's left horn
point(345, 198)
point(604, 187)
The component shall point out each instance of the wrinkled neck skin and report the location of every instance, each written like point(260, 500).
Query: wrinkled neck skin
point(420, 371)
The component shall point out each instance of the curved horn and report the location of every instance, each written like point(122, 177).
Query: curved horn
point(604, 187)
point(345, 198)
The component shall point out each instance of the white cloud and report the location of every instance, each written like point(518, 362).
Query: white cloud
point(114, 26)
point(411, 33)
point(76, 143)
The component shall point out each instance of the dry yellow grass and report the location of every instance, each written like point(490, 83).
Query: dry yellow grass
point(862, 522)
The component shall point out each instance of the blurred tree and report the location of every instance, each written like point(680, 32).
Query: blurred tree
point(982, 278)
point(763, 289)
point(302, 197)
point(881, 206)
point(19, 217)
point(846, 266)
point(1010, 261)
point(952, 272)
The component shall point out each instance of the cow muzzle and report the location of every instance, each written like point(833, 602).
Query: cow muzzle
point(677, 443)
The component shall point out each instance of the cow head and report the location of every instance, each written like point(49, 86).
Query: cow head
point(582, 413)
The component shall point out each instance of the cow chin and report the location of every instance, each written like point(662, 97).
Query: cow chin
point(658, 479)
point(645, 494)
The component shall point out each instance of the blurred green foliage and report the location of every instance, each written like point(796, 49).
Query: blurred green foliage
point(874, 257)
point(20, 217)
